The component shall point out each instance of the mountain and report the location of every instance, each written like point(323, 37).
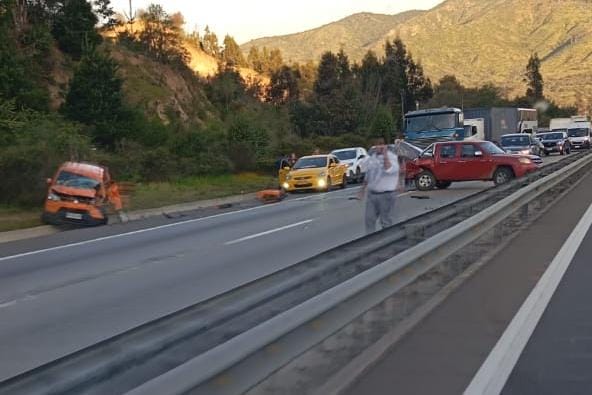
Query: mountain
point(355, 34)
point(479, 41)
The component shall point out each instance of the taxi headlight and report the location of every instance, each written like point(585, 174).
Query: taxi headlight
point(53, 197)
point(285, 185)
point(525, 161)
point(322, 183)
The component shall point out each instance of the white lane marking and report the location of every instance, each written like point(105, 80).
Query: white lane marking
point(267, 232)
point(135, 232)
point(495, 371)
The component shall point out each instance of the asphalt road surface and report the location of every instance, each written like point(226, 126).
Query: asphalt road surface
point(67, 291)
point(558, 356)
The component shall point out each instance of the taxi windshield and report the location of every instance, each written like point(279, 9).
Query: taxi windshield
point(310, 163)
point(73, 180)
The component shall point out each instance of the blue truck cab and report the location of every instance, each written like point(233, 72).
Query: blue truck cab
point(424, 127)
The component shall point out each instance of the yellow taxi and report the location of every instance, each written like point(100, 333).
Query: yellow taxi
point(316, 172)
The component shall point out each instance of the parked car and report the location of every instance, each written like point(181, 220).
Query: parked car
point(316, 172)
point(80, 193)
point(441, 164)
point(354, 159)
point(522, 143)
point(556, 142)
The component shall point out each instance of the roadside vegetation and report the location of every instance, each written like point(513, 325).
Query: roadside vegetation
point(123, 94)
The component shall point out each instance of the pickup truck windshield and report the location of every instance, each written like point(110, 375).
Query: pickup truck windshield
point(431, 122)
point(74, 180)
point(491, 148)
point(577, 132)
point(515, 141)
point(310, 163)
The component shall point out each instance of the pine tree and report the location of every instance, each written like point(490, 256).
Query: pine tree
point(327, 75)
point(162, 36)
point(74, 27)
point(210, 43)
point(534, 79)
point(419, 88)
point(104, 10)
point(343, 66)
point(254, 59)
point(276, 60)
point(232, 54)
point(283, 87)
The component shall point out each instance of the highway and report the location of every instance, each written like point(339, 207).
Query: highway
point(56, 298)
point(64, 292)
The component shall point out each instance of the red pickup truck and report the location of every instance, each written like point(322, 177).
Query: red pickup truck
point(444, 163)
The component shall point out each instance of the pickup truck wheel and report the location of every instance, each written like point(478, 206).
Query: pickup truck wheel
point(358, 175)
point(425, 181)
point(502, 175)
point(443, 184)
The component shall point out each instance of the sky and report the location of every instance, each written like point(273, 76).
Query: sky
point(249, 19)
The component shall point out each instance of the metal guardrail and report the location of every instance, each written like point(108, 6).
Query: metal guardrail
point(248, 358)
point(226, 332)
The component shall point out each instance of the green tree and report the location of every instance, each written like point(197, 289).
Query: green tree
point(210, 43)
point(74, 27)
point(369, 77)
point(248, 141)
point(104, 10)
point(275, 60)
point(419, 87)
point(162, 36)
point(226, 89)
point(308, 76)
point(21, 55)
point(383, 124)
point(534, 79)
point(327, 75)
point(255, 60)
point(95, 96)
point(283, 87)
point(448, 92)
point(232, 54)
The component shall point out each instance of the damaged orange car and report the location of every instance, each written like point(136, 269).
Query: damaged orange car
point(80, 193)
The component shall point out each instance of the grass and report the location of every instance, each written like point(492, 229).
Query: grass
point(151, 195)
point(198, 188)
point(12, 218)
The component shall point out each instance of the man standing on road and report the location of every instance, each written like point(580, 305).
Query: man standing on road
point(380, 187)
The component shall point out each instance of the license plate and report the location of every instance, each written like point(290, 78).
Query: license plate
point(73, 216)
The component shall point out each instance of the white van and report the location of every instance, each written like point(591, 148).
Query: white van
point(579, 134)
